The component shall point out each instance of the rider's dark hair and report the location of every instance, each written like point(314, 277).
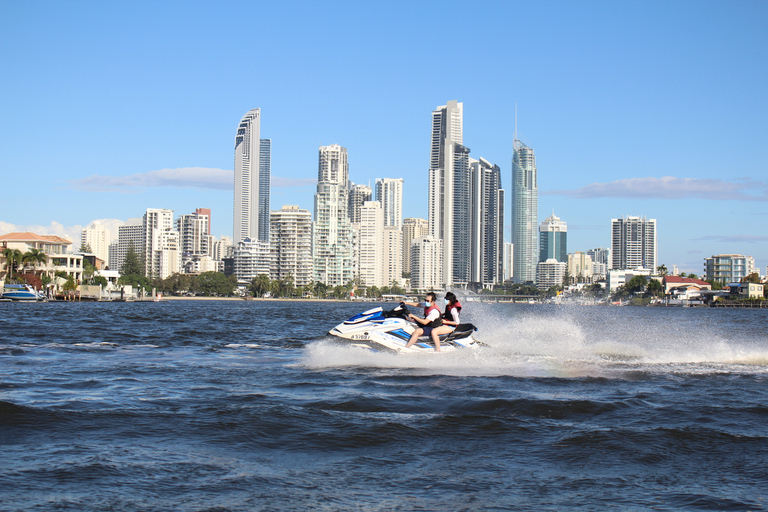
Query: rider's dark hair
point(432, 294)
point(451, 297)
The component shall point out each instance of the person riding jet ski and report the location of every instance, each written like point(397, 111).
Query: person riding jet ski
point(432, 319)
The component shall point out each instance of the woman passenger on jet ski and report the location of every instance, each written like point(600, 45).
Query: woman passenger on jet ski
point(432, 319)
point(450, 317)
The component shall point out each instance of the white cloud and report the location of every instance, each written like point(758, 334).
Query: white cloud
point(71, 233)
point(741, 239)
point(670, 187)
point(184, 177)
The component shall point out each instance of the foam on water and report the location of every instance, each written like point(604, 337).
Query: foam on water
point(570, 342)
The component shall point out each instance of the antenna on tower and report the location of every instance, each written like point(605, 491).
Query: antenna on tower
point(515, 121)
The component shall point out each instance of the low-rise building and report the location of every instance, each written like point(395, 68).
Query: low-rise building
point(672, 282)
point(746, 290)
point(617, 278)
point(550, 273)
point(54, 247)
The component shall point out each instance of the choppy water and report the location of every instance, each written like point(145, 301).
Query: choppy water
point(249, 406)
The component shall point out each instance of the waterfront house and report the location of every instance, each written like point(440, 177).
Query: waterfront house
point(671, 282)
point(55, 247)
point(746, 290)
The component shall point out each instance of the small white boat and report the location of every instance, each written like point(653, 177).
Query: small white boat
point(19, 292)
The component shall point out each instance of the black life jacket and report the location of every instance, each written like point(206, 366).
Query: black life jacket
point(448, 315)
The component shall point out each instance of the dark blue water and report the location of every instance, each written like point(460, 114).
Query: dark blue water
point(250, 406)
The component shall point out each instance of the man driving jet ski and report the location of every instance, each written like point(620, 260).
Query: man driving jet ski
point(432, 319)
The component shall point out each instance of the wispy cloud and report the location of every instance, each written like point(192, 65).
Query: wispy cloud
point(56, 228)
point(670, 187)
point(184, 177)
point(741, 239)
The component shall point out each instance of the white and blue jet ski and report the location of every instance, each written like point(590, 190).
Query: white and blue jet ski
point(389, 331)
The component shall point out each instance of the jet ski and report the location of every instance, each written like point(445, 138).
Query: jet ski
point(389, 331)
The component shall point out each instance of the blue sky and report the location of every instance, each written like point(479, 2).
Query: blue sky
point(651, 108)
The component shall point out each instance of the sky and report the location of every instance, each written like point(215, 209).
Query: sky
point(652, 108)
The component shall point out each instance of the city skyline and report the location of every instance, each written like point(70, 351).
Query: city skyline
point(624, 112)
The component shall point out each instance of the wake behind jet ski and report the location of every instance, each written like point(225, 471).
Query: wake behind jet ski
point(381, 330)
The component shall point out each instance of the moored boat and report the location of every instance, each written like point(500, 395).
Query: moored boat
point(19, 292)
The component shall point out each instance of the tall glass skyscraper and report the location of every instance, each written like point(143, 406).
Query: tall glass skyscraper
point(252, 180)
point(525, 211)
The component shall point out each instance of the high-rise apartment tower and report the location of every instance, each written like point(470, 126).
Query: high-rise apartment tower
point(252, 180)
point(633, 243)
point(450, 190)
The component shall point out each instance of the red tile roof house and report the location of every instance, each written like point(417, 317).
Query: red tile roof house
point(671, 282)
point(55, 247)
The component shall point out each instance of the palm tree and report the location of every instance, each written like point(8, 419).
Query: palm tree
point(662, 270)
point(34, 256)
point(13, 257)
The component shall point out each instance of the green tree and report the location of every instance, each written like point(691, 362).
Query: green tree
point(320, 289)
point(88, 271)
point(260, 285)
point(593, 290)
point(85, 248)
point(133, 264)
point(566, 278)
point(100, 280)
point(654, 287)
point(752, 278)
point(33, 257)
point(662, 270)
point(175, 284)
point(13, 258)
point(636, 284)
point(216, 284)
point(339, 291)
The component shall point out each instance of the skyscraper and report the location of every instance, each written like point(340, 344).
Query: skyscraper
point(98, 238)
point(389, 192)
point(195, 242)
point(450, 192)
point(413, 229)
point(487, 232)
point(426, 264)
point(525, 211)
point(633, 243)
point(358, 195)
point(553, 239)
point(371, 244)
point(130, 234)
point(291, 245)
point(252, 180)
point(162, 256)
point(332, 232)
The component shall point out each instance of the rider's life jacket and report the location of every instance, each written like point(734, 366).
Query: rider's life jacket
point(448, 314)
point(437, 322)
